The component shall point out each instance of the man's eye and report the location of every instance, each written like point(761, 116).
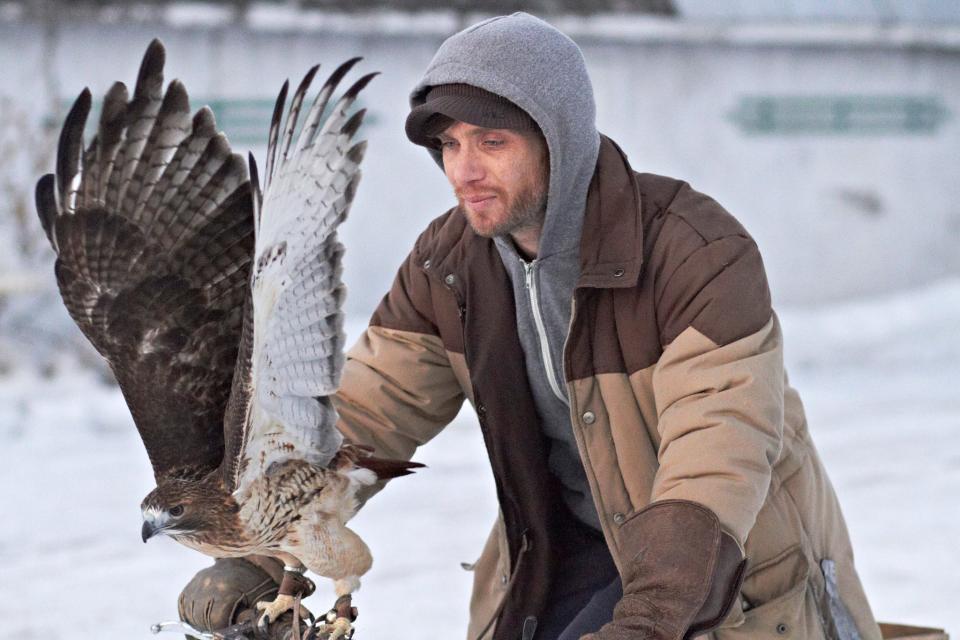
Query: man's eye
point(493, 142)
point(447, 144)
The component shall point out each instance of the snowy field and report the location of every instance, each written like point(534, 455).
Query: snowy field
point(880, 381)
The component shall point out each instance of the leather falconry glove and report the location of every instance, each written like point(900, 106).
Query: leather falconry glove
point(682, 576)
point(227, 592)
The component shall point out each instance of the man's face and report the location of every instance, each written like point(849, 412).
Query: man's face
point(500, 177)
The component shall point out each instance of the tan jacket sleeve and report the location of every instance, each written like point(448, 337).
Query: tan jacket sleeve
point(398, 389)
point(718, 386)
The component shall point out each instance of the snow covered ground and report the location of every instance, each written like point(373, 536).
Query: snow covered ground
point(880, 381)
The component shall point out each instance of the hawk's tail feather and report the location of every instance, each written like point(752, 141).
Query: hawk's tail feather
point(387, 468)
point(358, 455)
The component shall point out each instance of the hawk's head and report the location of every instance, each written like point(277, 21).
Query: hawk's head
point(185, 509)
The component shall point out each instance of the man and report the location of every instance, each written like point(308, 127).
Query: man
point(613, 331)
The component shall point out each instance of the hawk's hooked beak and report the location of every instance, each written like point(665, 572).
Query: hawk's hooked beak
point(155, 522)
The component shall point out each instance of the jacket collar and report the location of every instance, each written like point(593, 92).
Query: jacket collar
point(611, 245)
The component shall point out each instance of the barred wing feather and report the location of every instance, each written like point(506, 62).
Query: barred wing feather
point(152, 224)
point(292, 351)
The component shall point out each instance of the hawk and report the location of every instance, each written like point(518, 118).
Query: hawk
point(218, 306)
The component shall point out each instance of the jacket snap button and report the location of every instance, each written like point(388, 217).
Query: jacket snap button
point(504, 579)
point(782, 628)
point(589, 417)
point(619, 518)
point(450, 279)
point(426, 264)
point(617, 273)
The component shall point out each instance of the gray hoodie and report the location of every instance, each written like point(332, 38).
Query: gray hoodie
point(532, 64)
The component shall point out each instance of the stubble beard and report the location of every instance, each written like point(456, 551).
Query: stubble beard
point(527, 211)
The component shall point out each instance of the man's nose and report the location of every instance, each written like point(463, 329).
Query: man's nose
point(464, 168)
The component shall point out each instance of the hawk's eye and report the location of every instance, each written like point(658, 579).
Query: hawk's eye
point(177, 511)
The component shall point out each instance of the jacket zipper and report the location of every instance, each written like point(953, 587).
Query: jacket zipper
point(531, 280)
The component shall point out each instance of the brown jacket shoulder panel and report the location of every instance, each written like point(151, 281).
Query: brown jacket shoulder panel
point(703, 214)
point(720, 289)
point(705, 268)
point(693, 265)
point(657, 193)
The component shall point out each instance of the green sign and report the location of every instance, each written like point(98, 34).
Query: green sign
point(838, 115)
point(246, 121)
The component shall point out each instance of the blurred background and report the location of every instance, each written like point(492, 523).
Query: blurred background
point(830, 129)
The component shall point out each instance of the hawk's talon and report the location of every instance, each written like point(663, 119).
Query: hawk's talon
point(337, 629)
point(280, 605)
point(263, 627)
point(339, 620)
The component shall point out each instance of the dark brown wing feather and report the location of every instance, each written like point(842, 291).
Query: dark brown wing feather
point(153, 228)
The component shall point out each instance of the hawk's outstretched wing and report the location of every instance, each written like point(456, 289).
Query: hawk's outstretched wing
point(292, 347)
point(153, 228)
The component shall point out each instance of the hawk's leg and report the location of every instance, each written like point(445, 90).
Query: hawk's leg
point(294, 585)
point(339, 620)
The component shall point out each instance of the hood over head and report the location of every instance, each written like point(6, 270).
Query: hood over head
point(542, 71)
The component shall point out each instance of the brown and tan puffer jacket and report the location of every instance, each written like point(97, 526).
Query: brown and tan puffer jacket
point(674, 370)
